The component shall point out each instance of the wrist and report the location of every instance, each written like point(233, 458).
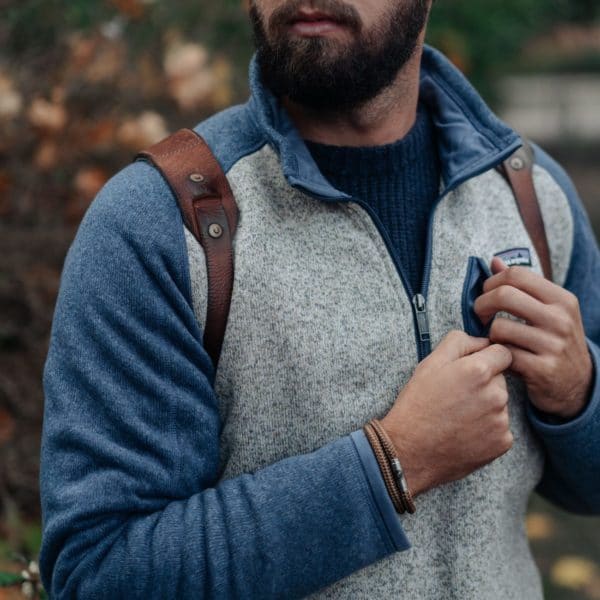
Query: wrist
point(416, 476)
point(581, 399)
point(390, 466)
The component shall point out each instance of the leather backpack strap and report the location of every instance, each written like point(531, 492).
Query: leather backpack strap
point(518, 171)
point(210, 212)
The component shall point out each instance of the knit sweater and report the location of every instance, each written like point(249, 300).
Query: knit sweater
point(399, 181)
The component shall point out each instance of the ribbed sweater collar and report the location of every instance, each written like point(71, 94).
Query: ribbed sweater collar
point(339, 164)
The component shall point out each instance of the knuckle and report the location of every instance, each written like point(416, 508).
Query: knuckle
point(456, 336)
point(513, 275)
point(497, 328)
point(503, 352)
point(562, 322)
point(508, 440)
point(499, 432)
point(500, 398)
point(480, 370)
point(559, 345)
point(572, 301)
point(504, 293)
point(553, 364)
point(503, 383)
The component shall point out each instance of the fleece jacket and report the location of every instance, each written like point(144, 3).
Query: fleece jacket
point(163, 478)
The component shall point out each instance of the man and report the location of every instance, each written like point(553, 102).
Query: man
point(355, 281)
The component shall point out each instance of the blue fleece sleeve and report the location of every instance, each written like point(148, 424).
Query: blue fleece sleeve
point(132, 506)
point(570, 477)
point(380, 492)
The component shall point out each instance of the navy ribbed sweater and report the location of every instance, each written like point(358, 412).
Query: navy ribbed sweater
point(400, 182)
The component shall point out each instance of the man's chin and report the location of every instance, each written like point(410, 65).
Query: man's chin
point(314, 53)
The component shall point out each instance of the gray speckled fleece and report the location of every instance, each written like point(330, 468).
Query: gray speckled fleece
point(320, 339)
point(161, 477)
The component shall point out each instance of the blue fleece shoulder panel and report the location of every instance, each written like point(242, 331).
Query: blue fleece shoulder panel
point(583, 277)
point(231, 134)
point(132, 505)
point(573, 448)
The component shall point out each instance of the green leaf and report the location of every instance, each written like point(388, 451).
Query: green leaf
point(8, 579)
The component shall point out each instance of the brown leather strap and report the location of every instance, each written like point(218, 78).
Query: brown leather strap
point(210, 213)
point(518, 171)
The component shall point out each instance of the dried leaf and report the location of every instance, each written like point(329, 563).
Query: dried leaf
point(144, 131)
point(11, 101)
point(539, 526)
point(194, 91)
point(134, 9)
point(88, 182)
point(184, 60)
point(223, 91)
point(573, 572)
point(47, 116)
point(7, 426)
point(101, 134)
point(46, 155)
point(5, 203)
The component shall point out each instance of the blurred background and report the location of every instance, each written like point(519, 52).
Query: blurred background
point(85, 84)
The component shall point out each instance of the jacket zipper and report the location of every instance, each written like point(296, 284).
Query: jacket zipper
point(419, 300)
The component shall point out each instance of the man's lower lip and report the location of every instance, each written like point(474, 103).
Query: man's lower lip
point(310, 28)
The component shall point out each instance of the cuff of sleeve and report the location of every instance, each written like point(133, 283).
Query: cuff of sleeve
point(382, 498)
point(545, 428)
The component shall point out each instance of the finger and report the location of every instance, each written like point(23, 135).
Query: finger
point(457, 344)
point(500, 381)
point(528, 281)
point(506, 331)
point(498, 265)
point(524, 363)
point(498, 391)
point(490, 361)
point(514, 301)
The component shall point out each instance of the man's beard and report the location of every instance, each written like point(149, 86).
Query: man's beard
point(327, 74)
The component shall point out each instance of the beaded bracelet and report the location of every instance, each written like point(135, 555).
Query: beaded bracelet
point(389, 463)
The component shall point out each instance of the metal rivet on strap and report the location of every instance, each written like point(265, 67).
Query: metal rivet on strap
point(215, 230)
point(197, 177)
point(517, 163)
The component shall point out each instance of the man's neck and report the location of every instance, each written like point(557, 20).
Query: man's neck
point(382, 120)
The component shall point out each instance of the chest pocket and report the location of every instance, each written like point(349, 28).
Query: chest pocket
point(477, 272)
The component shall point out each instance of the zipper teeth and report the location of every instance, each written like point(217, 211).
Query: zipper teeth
point(424, 347)
point(421, 351)
point(390, 247)
point(451, 187)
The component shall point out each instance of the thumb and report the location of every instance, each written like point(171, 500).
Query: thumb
point(458, 344)
point(498, 265)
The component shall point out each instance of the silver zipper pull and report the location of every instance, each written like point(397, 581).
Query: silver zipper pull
point(422, 321)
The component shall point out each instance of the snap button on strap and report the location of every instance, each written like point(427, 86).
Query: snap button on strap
point(215, 230)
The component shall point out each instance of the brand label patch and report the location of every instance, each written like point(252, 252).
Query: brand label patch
point(516, 257)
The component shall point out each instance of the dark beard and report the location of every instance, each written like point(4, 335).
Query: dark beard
point(329, 75)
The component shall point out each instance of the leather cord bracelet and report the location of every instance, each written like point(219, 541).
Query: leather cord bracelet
point(389, 463)
point(384, 466)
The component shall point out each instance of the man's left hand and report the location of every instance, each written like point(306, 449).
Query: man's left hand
point(549, 351)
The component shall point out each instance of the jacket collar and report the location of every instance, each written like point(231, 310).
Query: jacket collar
point(471, 139)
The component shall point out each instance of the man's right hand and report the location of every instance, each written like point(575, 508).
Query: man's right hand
point(452, 417)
